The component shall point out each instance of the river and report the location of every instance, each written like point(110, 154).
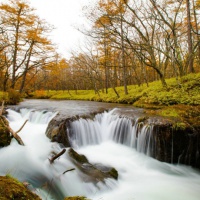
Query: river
point(140, 177)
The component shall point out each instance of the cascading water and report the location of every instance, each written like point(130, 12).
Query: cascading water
point(108, 126)
point(107, 140)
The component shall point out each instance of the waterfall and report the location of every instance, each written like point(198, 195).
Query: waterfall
point(108, 126)
point(109, 140)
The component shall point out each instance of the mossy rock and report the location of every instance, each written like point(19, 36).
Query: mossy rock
point(11, 188)
point(5, 137)
point(93, 172)
point(113, 173)
point(77, 157)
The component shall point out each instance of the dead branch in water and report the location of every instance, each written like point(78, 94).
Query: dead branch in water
point(69, 170)
point(21, 127)
point(6, 124)
point(57, 156)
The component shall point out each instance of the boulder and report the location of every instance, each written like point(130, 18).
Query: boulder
point(57, 130)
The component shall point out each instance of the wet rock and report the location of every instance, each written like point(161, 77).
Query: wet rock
point(57, 130)
point(5, 137)
point(91, 172)
point(174, 141)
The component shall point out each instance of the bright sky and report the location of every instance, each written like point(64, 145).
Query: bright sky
point(65, 15)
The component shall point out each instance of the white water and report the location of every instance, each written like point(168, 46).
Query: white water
point(140, 177)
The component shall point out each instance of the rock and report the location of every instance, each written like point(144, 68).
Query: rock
point(57, 130)
point(5, 137)
point(11, 188)
point(91, 172)
point(174, 141)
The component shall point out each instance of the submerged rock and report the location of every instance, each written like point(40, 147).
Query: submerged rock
point(91, 172)
point(11, 188)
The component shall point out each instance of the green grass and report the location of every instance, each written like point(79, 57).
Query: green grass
point(183, 91)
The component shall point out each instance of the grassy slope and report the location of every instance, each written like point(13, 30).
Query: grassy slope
point(185, 91)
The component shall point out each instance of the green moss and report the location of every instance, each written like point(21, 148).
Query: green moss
point(79, 158)
point(113, 173)
point(11, 188)
point(169, 112)
point(5, 137)
point(179, 126)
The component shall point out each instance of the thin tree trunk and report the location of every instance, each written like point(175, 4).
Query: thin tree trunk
point(189, 28)
point(123, 56)
point(26, 69)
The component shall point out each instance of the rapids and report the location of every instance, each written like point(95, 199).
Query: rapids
point(108, 140)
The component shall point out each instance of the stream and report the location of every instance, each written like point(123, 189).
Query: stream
point(140, 177)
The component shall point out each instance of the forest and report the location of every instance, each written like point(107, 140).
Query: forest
point(129, 43)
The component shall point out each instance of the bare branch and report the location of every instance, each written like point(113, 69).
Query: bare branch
point(21, 127)
point(57, 156)
point(69, 170)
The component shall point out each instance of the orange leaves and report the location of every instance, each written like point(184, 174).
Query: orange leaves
point(103, 21)
point(113, 8)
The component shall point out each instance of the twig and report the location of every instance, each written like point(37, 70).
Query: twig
point(69, 170)
point(57, 156)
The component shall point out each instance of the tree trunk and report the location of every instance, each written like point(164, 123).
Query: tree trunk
point(189, 28)
point(26, 68)
point(123, 56)
point(15, 50)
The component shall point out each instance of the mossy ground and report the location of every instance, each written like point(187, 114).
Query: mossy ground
point(12, 189)
point(182, 91)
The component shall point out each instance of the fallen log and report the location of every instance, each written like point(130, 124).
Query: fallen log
point(57, 156)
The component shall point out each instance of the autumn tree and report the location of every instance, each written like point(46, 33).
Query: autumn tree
point(28, 46)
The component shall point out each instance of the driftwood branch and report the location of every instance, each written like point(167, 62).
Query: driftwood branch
point(21, 127)
point(15, 135)
point(69, 170)
point(57, 156)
